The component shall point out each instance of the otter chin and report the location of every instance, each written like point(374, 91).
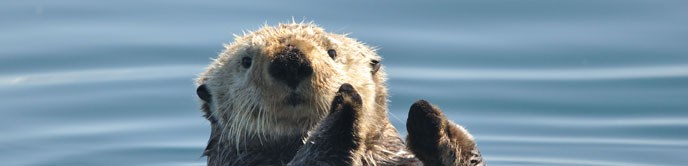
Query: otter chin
point(293, 94)
point(294, 99)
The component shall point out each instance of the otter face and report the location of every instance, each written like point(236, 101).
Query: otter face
point(279, 81)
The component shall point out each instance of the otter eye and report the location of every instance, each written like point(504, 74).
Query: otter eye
point(332, 53)
point(375, 65)
point(246, 62)
point(202, 92)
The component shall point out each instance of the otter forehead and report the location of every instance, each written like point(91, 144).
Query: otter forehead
point(287, 33)
point(268, 40)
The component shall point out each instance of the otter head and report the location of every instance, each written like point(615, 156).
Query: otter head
point(279, 82)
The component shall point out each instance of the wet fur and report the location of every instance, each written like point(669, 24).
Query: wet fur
point(342, 121)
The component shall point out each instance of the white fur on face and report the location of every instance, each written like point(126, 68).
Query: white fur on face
point(250, 105)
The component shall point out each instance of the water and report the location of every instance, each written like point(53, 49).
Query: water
point(537, 82)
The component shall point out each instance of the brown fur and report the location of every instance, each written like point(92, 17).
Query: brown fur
point(253, 125)
point(437, 141)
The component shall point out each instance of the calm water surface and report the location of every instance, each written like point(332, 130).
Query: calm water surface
point(537, 82)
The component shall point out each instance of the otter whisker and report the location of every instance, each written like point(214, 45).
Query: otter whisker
point(396, 117)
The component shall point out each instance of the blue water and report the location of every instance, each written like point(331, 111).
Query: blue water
point(537, 82)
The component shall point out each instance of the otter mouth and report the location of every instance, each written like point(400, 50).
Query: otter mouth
point(294, 99)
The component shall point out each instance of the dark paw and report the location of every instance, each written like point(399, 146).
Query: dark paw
point(344, 112)
point(346, 99)
point(437, 141)
point(337, 135)
point(425, 120)
point(425, 125)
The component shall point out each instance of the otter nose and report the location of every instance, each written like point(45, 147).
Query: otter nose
point(290, 67)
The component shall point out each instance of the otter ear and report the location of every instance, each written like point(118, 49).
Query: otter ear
point(375, 64)
point(203, 93)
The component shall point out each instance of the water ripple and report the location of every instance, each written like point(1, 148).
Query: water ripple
point(96, 128)
point(560, 161)
point(101, 75)
point(552, 121)
point(583, 140)
point(444, 74)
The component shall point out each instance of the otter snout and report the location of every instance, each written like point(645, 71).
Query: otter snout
point(290, 67)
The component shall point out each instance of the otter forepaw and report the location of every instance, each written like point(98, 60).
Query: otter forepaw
point(337, 135)
point(340, 124)
point(437, 141)
point(425, 128)
point(346, 99)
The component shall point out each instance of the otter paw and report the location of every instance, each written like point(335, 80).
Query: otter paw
point(425, 126)
point(337, 135)
point(346, 99)
point(344, 112)
point(437, 141)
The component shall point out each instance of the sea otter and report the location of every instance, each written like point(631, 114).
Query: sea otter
point(294, 94)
